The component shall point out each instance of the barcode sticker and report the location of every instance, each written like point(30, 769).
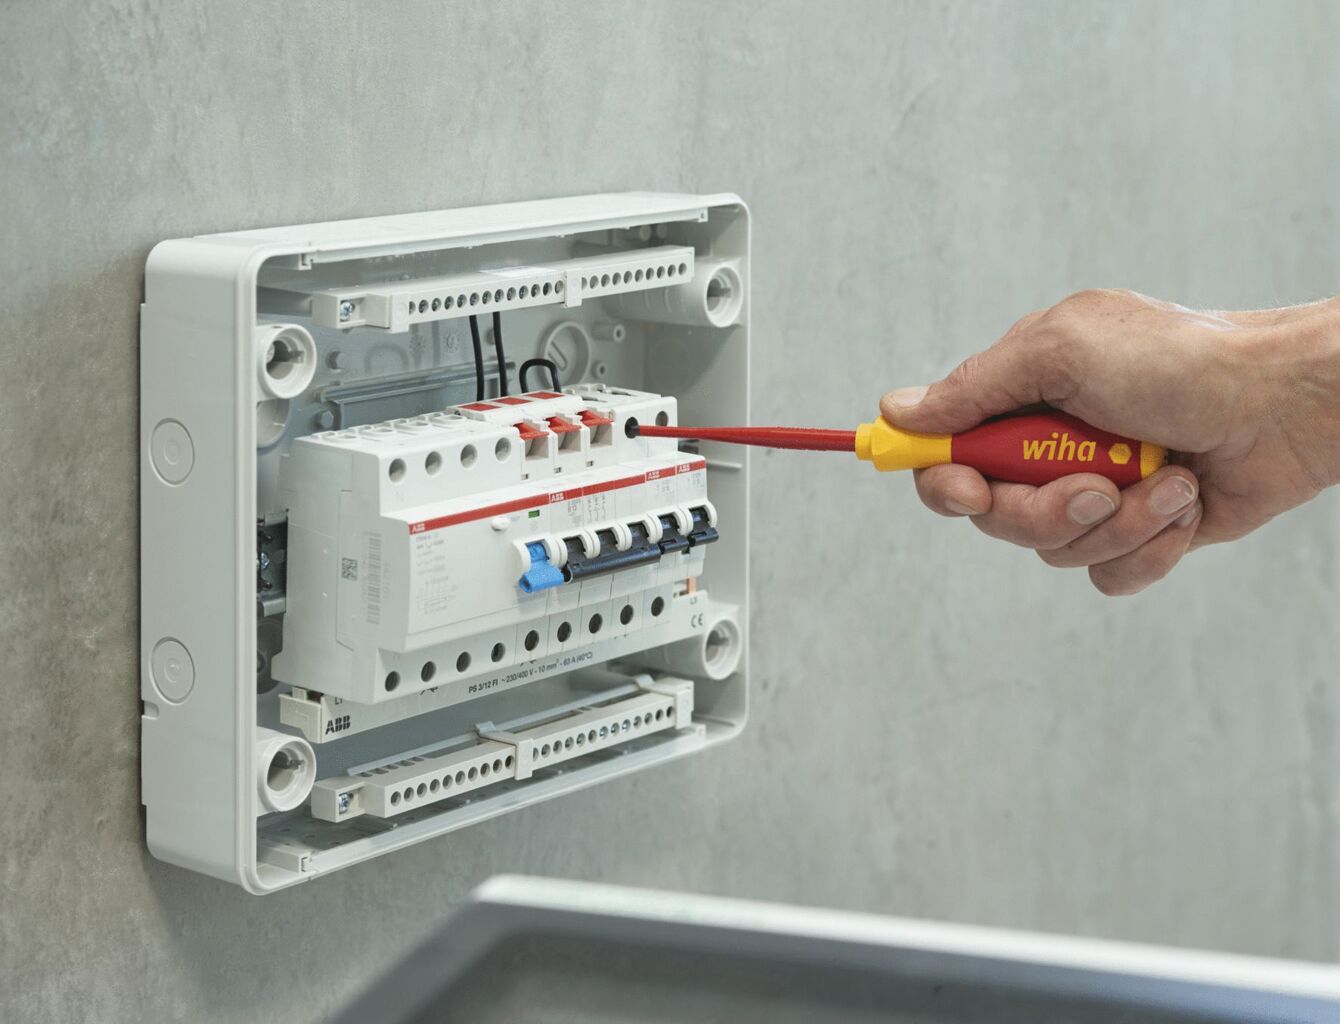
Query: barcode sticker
point(372, 577)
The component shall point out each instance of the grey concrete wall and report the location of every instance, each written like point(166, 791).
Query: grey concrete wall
point(941, 726)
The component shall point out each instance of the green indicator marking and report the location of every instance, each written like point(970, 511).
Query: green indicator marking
point(534, 513)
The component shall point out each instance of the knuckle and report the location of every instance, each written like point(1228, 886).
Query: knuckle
point(1123, 534)
point(1045, 523)
point(1056, 557)
point(1049, 540)
point(934, 499)
point(1126, 297)
point(1058, 352)
point(1023, 529)
point(996, 531)
point(930, 485)
point(1132, 573)
point(1033, 537)
point(1021, 327)
point(965, 385)
point(935, 502)
point(1090, 300)
point(1157, 565)
point(1111, 582)
point(966, 373)
point(1085, 298)
point(1061, 371)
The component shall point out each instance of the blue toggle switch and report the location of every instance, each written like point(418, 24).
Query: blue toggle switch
point(541, 575)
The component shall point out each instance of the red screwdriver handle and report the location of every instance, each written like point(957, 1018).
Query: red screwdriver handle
point(1037, 448)
point(1028, 448)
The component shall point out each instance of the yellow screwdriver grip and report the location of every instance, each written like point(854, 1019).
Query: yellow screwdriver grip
point(889, 448)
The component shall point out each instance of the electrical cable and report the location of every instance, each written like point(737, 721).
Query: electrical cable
point(498, 350)
point(479, 358)
point(529, 364)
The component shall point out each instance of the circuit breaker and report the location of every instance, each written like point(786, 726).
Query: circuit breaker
point(406, 561)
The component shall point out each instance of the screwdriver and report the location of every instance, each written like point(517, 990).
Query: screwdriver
point(1028, 448)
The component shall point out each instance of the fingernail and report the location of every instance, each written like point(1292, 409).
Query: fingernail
point(1090, 507)
point(960, 509)
point(1173, 495)
point(1189, 516)
point(905, 398)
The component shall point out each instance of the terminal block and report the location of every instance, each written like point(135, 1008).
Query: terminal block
point(498, 755)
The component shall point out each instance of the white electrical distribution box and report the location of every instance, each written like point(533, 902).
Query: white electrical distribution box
point(406, 562)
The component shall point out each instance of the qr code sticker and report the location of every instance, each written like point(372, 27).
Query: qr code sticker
point(348, 568)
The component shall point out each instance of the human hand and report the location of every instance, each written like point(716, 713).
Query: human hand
point(1248, 405)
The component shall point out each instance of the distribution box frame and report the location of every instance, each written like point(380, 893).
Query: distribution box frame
point(406, 563)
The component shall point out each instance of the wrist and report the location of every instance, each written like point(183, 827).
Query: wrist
point(1296, 359)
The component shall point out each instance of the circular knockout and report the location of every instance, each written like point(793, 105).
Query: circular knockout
point(171, 452)
point(172, 670)
point(568, 344)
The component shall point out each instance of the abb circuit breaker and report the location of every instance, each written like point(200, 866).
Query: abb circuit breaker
point(406, 561)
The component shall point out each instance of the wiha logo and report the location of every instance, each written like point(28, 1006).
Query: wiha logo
point(337, 724)
point(1060, 448)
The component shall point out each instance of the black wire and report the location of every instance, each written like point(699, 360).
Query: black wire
point(498, 350)
point(479, 358)
point(529, 364)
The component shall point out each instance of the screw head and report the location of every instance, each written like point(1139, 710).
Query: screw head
point(346, 309)
point(343, 803)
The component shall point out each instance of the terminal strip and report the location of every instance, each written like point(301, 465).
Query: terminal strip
point(398, 305)
point(391, 789)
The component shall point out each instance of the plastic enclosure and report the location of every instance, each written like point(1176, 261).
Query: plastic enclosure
point(375, 609)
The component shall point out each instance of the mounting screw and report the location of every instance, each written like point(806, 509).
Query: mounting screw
point(346, 309)
point(325, 419)
point(342, 804)
point(263, 561)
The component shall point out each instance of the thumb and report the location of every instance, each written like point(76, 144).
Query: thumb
point(995, 381)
